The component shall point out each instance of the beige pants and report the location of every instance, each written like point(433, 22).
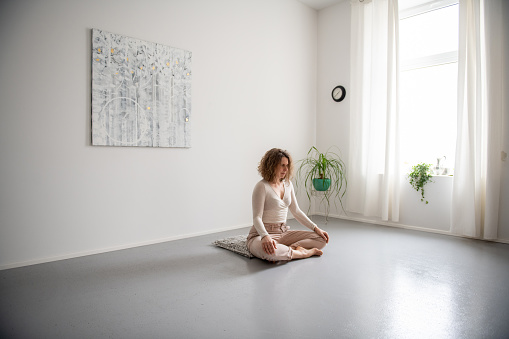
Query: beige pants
point(284, 239)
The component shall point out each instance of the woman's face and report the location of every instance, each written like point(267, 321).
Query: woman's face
point(282, 169)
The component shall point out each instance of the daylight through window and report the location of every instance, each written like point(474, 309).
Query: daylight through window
point(428, 36)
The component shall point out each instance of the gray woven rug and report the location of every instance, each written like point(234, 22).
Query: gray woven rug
point(236, 244)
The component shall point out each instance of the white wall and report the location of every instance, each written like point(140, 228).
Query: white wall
point(333, 128)
point(254, 85)
point(333, 118)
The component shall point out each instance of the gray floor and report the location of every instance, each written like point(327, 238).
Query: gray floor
point(372, 282)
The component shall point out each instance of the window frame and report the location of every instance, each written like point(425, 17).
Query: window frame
point(434, 59)
point(420, 7)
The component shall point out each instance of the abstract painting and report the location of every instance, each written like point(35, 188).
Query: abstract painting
point(141, 92)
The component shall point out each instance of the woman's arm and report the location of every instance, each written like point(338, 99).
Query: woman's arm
point(297, 212)
point(258, 205)
point(303, 218)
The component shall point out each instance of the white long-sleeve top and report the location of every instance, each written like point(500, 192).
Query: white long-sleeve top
point(268, 207)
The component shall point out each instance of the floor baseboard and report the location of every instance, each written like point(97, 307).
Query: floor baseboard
point(409, 227)
point(116, 248)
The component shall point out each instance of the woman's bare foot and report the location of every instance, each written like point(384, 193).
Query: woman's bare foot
point(301, 252)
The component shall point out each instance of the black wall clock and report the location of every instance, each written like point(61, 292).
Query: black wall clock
point(338, 93)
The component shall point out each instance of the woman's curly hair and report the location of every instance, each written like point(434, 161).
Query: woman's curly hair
point(272, 158)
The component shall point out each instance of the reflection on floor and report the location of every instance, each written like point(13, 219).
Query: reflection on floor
point(372, 281)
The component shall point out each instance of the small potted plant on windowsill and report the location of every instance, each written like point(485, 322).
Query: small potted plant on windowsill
point(323, 172)
point(419, 177)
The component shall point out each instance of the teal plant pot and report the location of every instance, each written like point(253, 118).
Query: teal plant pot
point(321, 184)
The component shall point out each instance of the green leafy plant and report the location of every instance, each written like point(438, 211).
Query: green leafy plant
point(419, 177)
point(328, 172)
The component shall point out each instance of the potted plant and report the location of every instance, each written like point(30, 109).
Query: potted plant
point(323, 172)
point(419, 177)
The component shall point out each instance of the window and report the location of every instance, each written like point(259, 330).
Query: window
point(428, 34)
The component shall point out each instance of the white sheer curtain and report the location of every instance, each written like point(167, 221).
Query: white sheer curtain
point(476, 187)
point(374, 174)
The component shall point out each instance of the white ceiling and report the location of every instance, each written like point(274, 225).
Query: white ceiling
point(403, 5)
point(320, 4)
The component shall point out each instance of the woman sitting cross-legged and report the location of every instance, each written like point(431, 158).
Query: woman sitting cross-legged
point(270, 238)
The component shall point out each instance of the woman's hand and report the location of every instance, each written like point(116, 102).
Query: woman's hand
point(323, 234)
point(268, 244)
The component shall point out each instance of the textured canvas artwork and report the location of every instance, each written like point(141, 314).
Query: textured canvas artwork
point(141, 93)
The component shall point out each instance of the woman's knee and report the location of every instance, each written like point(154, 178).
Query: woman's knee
point(281, 253)
point(315, 242)
point(322, 243)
